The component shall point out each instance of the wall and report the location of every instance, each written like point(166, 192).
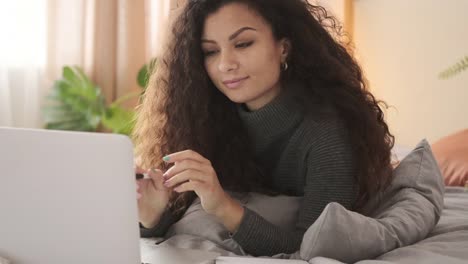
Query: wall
point(402, 46)
point(336, 7)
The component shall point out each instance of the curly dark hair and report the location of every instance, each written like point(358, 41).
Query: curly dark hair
point(182, 108)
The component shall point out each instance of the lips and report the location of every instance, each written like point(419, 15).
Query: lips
point(233, 83)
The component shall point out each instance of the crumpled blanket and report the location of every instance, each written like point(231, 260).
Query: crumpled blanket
point(403, 214)
point(4, 261)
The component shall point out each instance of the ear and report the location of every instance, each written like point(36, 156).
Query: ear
point(285, 47)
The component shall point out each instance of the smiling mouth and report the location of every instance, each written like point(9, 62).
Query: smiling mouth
point(235, 83)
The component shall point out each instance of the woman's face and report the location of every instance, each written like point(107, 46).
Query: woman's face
point(242, 57)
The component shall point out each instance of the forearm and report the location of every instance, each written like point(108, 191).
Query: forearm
point(259, 237)
point(150, 220)
point(230, 213)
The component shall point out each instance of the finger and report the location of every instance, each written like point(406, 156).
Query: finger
point(183, 165)
point(157, 177)
point(184, 176)
point(139, 184)
point(186, 154)
point(142, 184)
point(138, 188)
point(195, 186)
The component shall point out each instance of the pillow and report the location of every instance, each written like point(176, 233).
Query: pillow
point(280, 210)
point(399, 152)
point(403, 214)
point(451, 153)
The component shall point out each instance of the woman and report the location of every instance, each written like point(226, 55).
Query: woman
point(256, 95)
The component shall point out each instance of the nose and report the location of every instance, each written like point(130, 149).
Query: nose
point(227, 62)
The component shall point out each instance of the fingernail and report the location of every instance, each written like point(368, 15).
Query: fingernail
point(166, 158)
point(166, 183)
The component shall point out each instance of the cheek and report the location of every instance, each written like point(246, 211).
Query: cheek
point(266, 65)
point(211, 70)
point(213, 73)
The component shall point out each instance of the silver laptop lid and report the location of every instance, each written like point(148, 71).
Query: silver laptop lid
point(67, 197)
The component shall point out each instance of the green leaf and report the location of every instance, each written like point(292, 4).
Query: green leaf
point(455, 69)
point(119, 120)
point(68, 74)
point(58, 115)
point(73, 125)
point(126, 97)
point(144, 73)
point(74, 103)
point(82, 76)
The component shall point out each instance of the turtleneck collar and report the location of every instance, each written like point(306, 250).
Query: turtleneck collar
point(272, 121)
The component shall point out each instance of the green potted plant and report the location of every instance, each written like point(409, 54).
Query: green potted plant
point(76, 103)
point(455, 69)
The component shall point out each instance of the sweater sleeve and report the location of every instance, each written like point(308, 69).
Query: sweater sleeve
point(259, 237)
point(329, 178)
point(167, 219)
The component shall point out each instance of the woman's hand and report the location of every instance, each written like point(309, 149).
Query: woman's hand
point(193, 172)
point(152, 196)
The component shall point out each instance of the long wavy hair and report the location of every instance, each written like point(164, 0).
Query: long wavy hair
point(182, 108)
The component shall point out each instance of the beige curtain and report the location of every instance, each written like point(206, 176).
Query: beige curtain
point(110, 39)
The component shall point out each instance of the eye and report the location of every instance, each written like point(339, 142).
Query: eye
point(209, 53)
point(244, 44)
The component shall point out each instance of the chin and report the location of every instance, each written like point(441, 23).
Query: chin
point(237, 100)
point(233, 98)
point(238, 97)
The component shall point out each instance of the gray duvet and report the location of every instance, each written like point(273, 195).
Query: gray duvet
point(446, 243)
point(413, 221)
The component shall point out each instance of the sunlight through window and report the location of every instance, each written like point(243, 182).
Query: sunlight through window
point(23, 33)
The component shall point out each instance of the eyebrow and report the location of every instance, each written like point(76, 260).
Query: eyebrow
point(234, 35)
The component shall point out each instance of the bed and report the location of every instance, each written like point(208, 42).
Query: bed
point(418, 220)
point(446, 243)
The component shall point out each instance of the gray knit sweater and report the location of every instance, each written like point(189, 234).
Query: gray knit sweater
point(307, 153)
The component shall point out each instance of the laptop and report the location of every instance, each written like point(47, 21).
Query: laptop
point(70, 197)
